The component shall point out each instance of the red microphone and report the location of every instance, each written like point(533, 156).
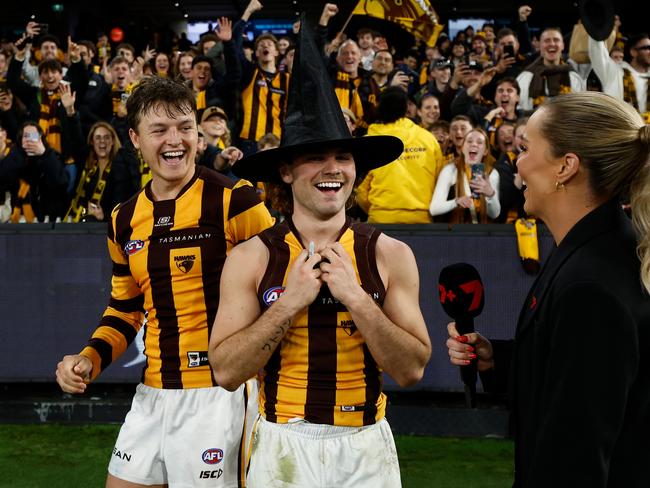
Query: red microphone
point(461, 296)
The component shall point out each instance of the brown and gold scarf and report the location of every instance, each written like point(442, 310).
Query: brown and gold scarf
point(554, 79)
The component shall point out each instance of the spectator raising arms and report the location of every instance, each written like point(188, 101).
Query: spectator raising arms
point(264, 87)
point(40, 180)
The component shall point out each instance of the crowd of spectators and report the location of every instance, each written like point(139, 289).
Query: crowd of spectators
point(460, 108)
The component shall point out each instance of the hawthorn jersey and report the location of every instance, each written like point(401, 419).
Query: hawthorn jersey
point(322, 371)
point(347, 93)
point(265, 103)
point(167, 260)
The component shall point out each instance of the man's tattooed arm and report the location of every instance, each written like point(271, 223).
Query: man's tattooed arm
point(278, 334)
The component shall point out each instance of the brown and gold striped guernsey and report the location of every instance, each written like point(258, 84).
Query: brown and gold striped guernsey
point(322, 371)
point(347, 93)
point(265, 102)
point(167, 259)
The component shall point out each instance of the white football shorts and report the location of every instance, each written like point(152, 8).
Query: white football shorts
point(186, 438)
point(300, 454)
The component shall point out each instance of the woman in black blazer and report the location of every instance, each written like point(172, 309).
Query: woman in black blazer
point(579, 365)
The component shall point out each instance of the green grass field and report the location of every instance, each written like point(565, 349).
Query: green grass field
point(76, 456)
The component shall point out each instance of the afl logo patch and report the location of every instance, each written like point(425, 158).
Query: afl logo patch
point(212, 456)
point(132, 247)
point(272, 294)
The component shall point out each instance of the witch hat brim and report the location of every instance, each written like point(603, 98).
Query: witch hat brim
point(314, 122)
point(598, 18)
point(369, 153)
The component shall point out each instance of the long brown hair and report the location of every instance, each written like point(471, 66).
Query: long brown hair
point(458, 214)
point(91, 160)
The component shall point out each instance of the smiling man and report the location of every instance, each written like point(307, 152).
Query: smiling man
point(52, 104)
point(321, 304)
point(168, 244)
point(549, 75)
point(489, 116)
point(263, 86)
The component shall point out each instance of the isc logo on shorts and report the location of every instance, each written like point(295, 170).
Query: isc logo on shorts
point(215, 474)
point(212, 456)
point(272, 294)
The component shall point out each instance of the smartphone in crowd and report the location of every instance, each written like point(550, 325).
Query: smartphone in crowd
point(509, 51)
point(477, 169)
point(33, 136)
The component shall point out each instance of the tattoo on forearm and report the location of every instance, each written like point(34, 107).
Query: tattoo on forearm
point(277, 336)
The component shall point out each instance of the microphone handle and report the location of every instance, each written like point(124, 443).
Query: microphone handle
point(468, 373)
point(464, 325)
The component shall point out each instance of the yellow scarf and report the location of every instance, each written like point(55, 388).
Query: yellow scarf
point(116, 96)
point(48, 120)
point(78, 206)
point(477, 201)
point(629, 94)
point(22, 207)
point(200, 100)
point(145, 171)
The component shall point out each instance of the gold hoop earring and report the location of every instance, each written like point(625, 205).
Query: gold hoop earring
point(559, 186)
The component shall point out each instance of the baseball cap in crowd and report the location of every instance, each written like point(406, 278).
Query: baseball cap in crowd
point(475, 65)
point(442, 63)
point(213, 112)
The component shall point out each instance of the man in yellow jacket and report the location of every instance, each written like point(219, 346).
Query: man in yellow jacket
point(400, 192)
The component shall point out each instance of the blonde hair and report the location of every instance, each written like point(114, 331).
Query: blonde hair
point(640, 201)
point(613, 143)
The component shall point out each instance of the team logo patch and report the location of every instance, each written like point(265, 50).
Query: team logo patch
point(348, 326)
point(132, 247)
point(197, 358)
point(212, 456)
point(184, 263)
point(272, 294)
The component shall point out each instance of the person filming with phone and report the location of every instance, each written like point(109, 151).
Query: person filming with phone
point(36, 176)
point(53, 104)
point(467, 189)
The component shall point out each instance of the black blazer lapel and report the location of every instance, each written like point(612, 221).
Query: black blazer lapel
point(595, 223)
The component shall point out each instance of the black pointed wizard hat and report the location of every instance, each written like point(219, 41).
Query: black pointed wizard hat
point(315, 122)
point(598, 18)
